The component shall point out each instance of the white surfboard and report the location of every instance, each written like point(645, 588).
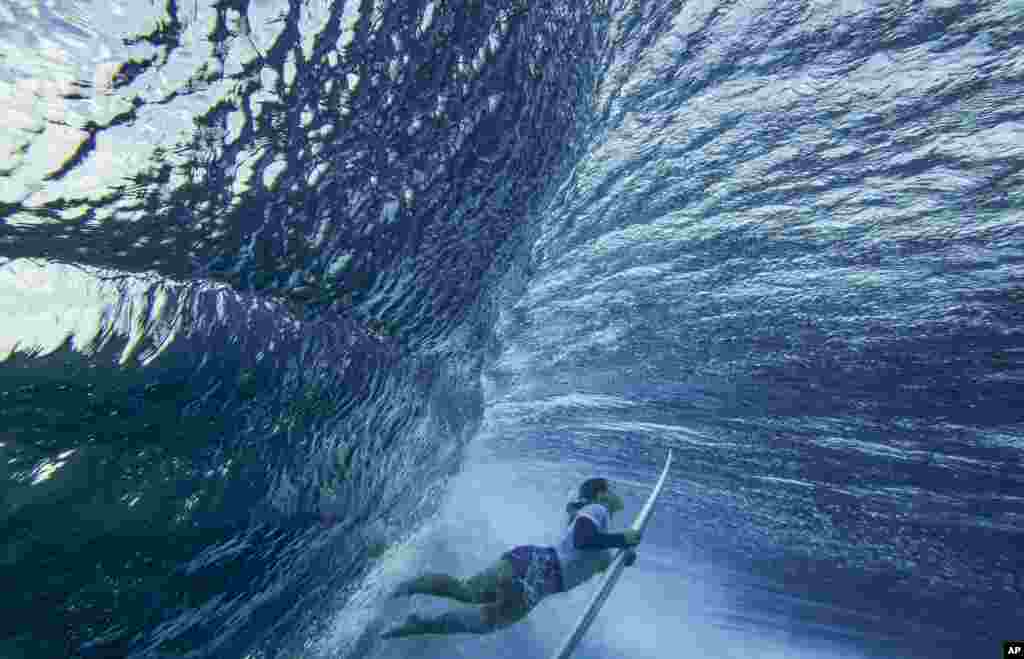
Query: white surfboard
point(614, 570)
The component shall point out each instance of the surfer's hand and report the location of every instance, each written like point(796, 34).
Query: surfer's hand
point(630, 557)
point(632, 537)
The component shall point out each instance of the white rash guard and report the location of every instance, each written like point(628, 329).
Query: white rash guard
point(578, 565)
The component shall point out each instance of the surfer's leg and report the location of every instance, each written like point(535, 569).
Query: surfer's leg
point(512, 606)
point(477, 589)
point(434, 583)
point(469, 620)
point(483, 586)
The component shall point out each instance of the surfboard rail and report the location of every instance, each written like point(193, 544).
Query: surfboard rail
point(614, 571)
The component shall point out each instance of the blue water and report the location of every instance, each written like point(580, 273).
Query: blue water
point(301, 298)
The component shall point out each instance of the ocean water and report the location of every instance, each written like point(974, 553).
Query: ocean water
point(300, 298)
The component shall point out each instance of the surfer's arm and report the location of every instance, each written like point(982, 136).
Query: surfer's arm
point(586, 536)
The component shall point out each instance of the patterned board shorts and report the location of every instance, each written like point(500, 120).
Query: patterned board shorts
point(536, 569)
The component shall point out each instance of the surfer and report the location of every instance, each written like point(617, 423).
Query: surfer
point(508, 590)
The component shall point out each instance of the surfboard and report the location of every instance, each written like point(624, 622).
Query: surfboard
point(614, 570)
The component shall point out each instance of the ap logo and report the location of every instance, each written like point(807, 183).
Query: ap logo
point(1013, 649)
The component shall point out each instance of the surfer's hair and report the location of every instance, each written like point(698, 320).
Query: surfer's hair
point(590, 489)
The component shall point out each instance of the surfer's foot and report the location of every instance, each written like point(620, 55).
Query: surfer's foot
point(407, 588)
point(413, 625)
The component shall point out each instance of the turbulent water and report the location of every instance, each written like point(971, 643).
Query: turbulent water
point(300, 298)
